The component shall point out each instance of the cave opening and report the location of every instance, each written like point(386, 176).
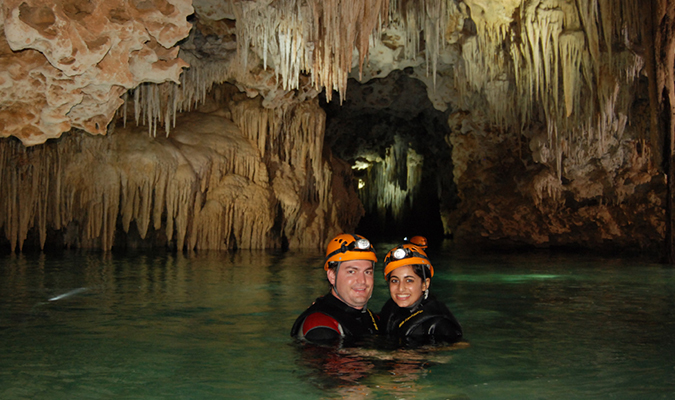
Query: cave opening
point(395, 140)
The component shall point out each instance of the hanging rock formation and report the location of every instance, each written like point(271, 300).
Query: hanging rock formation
point(214, 184)
point(546, 102)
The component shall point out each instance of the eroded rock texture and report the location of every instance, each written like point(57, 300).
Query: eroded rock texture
point(65, 64)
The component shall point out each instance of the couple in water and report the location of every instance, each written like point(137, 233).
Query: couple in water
point(411, 316)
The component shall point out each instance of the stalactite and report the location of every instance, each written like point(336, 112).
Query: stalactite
point(295, 37)
point(207, 185)
point(393, 182)
point(314, 36)
point(430, 17)
point(572, 46)
point(157, 105)
point(258, 124)
point(560, 56)
point(485, 71)
point(292, 138)
point(546, 187)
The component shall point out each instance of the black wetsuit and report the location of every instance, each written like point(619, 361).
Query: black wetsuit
point(329, 320)
point(425, 323)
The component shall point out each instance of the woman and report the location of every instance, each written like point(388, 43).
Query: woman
point(412, 315)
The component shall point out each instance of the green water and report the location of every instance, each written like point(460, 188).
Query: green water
point(216, 325)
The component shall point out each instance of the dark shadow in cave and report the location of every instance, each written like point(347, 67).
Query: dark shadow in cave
point(373, 117)
point(423, 218)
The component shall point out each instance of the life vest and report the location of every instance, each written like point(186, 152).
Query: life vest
point(353, 323)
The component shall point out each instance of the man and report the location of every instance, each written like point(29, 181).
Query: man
point(343, 312)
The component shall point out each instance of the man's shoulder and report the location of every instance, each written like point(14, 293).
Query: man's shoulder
point(319, 319)
point(321, 328)
point(314, 318)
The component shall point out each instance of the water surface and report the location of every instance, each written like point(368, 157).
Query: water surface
point(216, 325)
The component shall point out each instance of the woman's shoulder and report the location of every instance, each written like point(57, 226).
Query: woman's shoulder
point(434, 306)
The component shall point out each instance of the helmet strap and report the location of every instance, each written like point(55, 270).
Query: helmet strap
point(424, 279)
point(426, 291)
point(417, 303)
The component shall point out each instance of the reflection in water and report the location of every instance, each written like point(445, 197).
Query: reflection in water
point(333, 368)
point(351, 372)
point(69, 293)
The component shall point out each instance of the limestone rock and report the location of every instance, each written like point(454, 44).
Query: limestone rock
point(544, 101)
point(508, 200)
point(68, 62)
point(211, 185)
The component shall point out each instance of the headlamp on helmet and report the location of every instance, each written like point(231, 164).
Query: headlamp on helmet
point(406, 254)
point(347, 247)
point(399, 254)
point(362, 244)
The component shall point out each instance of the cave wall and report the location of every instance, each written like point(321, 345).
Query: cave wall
point(551, 143)
point(612, 202)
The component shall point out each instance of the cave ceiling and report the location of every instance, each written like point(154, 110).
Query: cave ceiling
point(539, 112)
point(72, 63)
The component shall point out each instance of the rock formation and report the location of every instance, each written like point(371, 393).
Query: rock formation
point(531, 122)
point(213, 184)
point(66, 63)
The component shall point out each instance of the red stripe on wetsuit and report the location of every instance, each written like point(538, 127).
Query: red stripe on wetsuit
point(320, 320)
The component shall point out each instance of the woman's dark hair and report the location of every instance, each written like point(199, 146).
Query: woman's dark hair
point(420, 270)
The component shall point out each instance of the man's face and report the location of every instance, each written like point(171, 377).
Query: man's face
point(354, 282)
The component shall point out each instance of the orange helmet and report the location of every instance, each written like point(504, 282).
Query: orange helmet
point(419, 241)
point(347, 247)
point(406, 254)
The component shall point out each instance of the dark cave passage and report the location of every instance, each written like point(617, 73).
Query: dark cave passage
point(394, 139)
point(423, 218)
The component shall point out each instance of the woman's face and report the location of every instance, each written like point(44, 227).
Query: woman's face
point(405, 286)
